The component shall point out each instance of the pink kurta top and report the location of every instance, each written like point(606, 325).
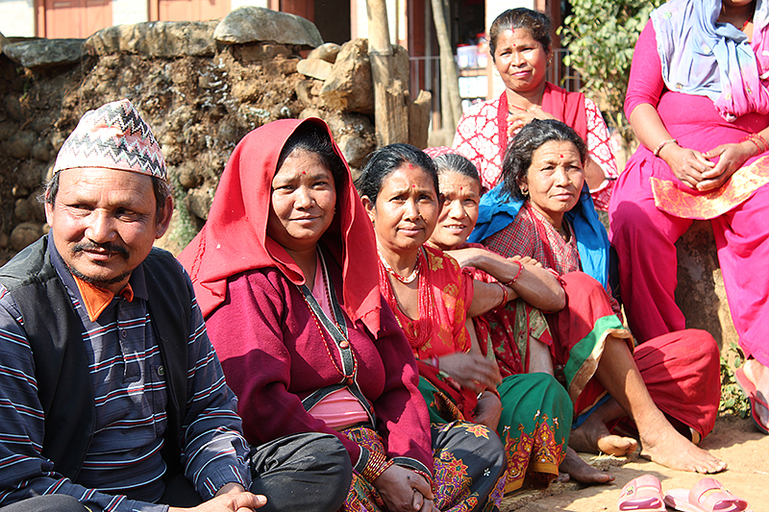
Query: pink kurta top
point(692, 120)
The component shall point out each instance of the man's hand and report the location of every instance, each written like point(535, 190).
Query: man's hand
point(230, 498)
point(404, 490)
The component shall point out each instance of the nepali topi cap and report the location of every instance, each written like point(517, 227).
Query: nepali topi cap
point(114, 136)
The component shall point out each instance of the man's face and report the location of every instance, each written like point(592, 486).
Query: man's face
point(104, 223)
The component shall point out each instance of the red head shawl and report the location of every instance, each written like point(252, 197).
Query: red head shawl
point(234, 238)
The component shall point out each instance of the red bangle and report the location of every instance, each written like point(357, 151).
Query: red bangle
point(505, 295)
point(517, 275)
point(758, 140)
point(376, 465)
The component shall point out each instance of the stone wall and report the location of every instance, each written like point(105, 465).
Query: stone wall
point(200, 85)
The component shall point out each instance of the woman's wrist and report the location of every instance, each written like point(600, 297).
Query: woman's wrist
point(517, 273)
point(758, 143)
point(662, 145)
point(377, 464)
point(505, 295)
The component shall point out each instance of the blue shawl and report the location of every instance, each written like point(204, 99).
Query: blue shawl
point(497, 210)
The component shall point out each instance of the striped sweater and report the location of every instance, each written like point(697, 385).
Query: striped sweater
point(130, 393)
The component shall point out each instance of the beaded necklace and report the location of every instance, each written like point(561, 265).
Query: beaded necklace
point(419, 331)
point(405, 280)
point(337, 328)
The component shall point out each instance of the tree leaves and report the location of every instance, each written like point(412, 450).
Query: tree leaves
point(600, 36)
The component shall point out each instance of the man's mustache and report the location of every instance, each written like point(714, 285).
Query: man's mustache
point(107, 246)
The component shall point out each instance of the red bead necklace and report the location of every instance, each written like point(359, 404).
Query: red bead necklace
point(419, 331)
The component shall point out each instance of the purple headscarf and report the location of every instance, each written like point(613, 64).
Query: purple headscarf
point(702, 57)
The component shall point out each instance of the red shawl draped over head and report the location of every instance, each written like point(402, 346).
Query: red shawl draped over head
point(234, 238)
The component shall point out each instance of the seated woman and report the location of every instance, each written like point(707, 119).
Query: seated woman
point(285, 271)
point(517, 334)
point(541, 210)
point(432, 298)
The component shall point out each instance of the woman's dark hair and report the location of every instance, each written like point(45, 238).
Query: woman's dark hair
point(314, 138)
point(537, 23)
point(452, 162)
point(519, 153)
point(383, 162)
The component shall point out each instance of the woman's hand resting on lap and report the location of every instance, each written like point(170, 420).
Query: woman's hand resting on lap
point(688, 165)
point(404, 490)
point(472, 371)
point(730, 158)
point(488, 410)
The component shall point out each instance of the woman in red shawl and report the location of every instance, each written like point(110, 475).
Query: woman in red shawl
point(432, 298)
point(519, 45)
point(285, 271)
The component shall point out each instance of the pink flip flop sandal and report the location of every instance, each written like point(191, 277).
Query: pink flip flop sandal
point(749, 389)
point(707, 495)
point(643, 494)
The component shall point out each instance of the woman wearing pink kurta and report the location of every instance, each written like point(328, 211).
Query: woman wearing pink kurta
point(700, 116)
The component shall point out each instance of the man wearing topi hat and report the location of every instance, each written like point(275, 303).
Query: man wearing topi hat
point(111, 395)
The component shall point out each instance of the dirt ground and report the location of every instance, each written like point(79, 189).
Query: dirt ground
point(734, 440)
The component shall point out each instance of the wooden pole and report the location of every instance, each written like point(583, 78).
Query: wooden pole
point(390, 108)
point(452, 110)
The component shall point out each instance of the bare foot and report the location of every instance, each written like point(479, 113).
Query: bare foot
point(581, 471)
point(758, 374)
point(593, 437)
point(670, 449)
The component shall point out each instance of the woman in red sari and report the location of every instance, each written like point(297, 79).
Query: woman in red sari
point(285, 272)
point(541, 210)
point(432, 298)
point(517, 334)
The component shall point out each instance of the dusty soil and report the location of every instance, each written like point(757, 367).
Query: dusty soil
point(734, 440)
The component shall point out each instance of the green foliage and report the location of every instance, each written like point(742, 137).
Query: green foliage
point(600, 36)
point(733, 401)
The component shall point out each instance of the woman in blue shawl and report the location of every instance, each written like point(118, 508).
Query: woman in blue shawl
point(662, 392)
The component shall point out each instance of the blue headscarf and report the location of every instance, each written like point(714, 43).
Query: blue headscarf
point(498, 209)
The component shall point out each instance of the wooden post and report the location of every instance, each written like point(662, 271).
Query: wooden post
point(390, 108)
point(452, 109)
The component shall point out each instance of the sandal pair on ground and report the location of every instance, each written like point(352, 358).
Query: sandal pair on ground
point(644, 494)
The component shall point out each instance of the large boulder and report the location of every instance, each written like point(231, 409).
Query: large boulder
point(249, 24)
point(349, 86)
point(45, 53)
point(314, 68)
point(163, 39)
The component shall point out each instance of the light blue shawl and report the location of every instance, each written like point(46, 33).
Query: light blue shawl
point(704, 58)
